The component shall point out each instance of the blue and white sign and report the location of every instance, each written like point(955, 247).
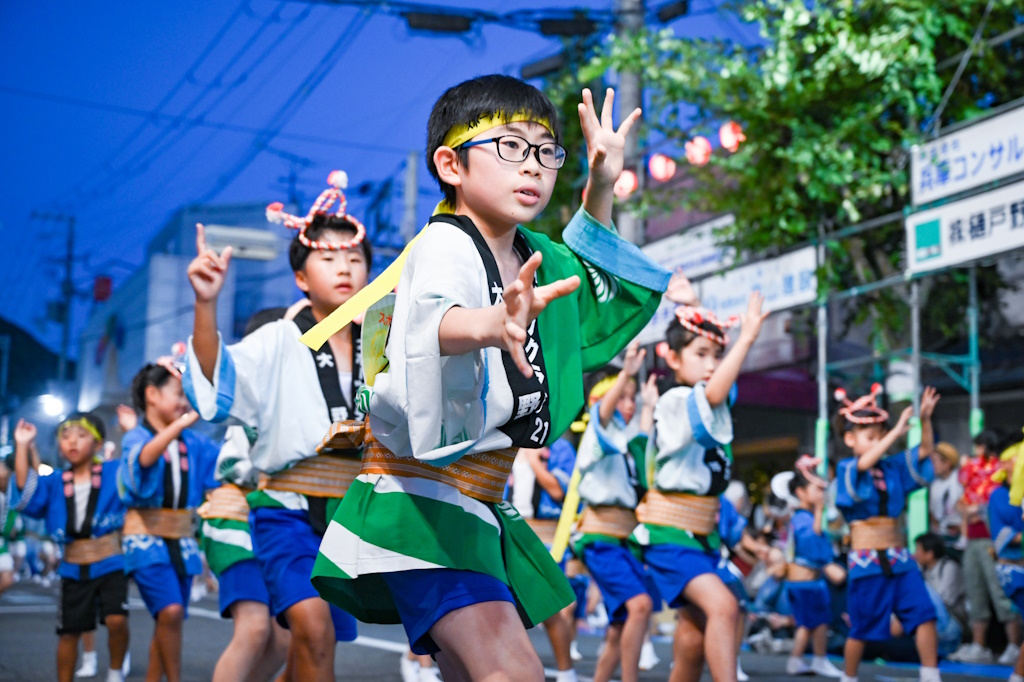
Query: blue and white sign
point(971, 157)
point(786, 282)
point(966, 230)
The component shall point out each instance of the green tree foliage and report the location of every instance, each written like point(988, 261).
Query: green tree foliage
point(830, 102)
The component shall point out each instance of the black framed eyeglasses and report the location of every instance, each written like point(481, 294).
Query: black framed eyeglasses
point(516, 149)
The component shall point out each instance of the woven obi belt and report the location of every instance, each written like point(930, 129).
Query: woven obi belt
point(799, 574)
point(878, 532)
point(481, 475)
point(616, 522)
point(330, 472)
point(225, 502)
point(164, 523)
point(91, 550)
point(695, 513)
point(544, 529)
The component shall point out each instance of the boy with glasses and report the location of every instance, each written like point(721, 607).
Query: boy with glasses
point(493, 328)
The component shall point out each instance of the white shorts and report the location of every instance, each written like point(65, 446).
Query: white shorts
point(6, 562)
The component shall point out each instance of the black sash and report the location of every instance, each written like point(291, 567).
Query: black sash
point(530, 422)
point(338, 409)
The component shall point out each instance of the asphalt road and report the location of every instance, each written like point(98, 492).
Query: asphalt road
point(28, 646)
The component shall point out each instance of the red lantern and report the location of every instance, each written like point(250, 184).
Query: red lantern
point(698, 151)
point(731, 134)
point(662, 167)
point(626, 184)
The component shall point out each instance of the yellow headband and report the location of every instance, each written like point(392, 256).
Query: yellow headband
point(90, 429)
point(465, 132)
point(602, 387)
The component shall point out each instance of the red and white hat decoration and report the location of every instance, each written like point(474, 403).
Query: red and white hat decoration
point(691, 317)
point(338, 180)
point(866, 403)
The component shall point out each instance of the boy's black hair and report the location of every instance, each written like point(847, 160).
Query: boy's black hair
point(150, 375)
point(931, 542)
point(91, 418)
point(263, 317)
point(474, 99)
point(798, 482)
point(991, 440)
point(679, 337)
point(299, 252)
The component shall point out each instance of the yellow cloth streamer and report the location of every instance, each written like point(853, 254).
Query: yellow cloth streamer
point(567, 520)
point(461, 134)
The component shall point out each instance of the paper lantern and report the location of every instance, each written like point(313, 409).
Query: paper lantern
point(626, 184)
point(662, 167)
point(730, 135)
point(698, 151)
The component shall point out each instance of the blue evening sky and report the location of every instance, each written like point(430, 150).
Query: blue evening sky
point(122, 112)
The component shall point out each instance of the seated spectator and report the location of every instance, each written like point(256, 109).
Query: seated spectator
point(770, 613)
point(943, 574)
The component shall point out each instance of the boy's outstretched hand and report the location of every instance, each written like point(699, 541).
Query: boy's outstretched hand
point(207, 270)
point(634, 359)
point(606, 149)
point(751, 320)
point(680, 289)
point(523, 303)
point(24, 432)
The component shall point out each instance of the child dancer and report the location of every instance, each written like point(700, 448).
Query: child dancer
point(884, 580)
point(6, 560)
point(83, 512)
point(291, 395)
point(164, 471)
point(811, 551)
point(493, 327)
point(691, 469)
point(611, 485)
point(1007, 527)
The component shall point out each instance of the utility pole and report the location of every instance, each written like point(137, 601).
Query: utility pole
point(409, 195)
point(67, 287)
point(629, 20)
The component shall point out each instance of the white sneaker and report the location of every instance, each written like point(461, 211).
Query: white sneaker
point(115, 676)
point(648, 657)
point(431, 674)
point(797, 666)
point(126, 667)
point(820, 665)
point(89, 665)
point(740, 675)
point(574, 652)
point(1009, 655)
point(410, 669)
point(972, 653)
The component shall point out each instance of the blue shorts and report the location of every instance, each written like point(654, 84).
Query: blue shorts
point(811, 603)
point(286, 546)
point(619, 575)
point(161, 586)
point(423, 597)
point(673, 567)
point(579, 585)
point(734, 584)
point(873, 599)
point(241, 581)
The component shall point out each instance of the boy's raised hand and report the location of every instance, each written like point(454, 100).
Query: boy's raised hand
point(680, 289)
point(127, 419)
point(649, 393)
point(605, 145)
point(903, 425)
point(634, 359)
point(207, 270)
point(523, 303)
point(929, 399)
point(24, 432)
point(751, 320)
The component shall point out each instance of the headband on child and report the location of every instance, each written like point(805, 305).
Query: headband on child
point(464, 132)
point(691, 317)
point(338, 180)
point(807, 466)
point(175, 362)
point(865, 403)
point(89, 427)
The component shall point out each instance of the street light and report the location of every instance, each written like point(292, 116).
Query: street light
point(52, 405)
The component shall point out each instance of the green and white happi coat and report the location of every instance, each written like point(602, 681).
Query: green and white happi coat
point(437, 409)
point(225, 542)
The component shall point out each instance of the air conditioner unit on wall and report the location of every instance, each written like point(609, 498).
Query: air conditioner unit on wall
point(246, 242)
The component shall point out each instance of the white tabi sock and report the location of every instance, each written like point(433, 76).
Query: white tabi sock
point(115, 675)
point(1014, 677)
point(847, 678)
point(566, 675)
point(930, 674)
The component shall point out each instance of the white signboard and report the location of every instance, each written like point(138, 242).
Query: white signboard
point(787, 281)
point(968, 158)
point(966, 230)
point(696, 254)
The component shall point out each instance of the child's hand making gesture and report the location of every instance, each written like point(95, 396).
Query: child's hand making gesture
point(605, 152)
point(24, 433)
point(207, 270)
